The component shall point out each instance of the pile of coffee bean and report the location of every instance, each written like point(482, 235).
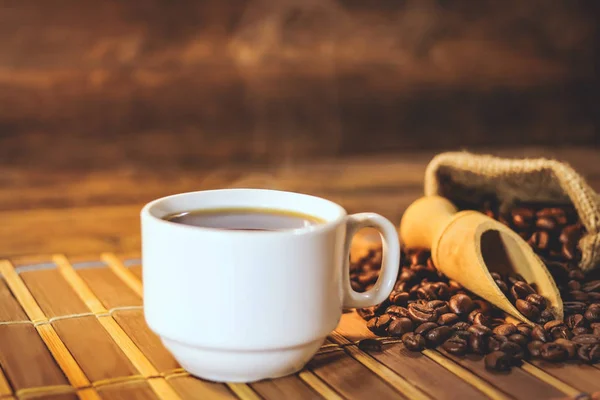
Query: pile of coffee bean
point(524, 297)
point(426, 309)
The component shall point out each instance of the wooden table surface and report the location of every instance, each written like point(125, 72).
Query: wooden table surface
point(81, 213)
point(90, 211)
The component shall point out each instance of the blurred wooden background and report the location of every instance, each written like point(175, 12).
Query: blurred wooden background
point(90, 84)
point(105, 105)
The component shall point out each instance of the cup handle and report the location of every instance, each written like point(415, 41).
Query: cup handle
point(389, 266)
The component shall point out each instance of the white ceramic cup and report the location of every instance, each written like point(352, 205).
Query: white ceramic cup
point(241, 306)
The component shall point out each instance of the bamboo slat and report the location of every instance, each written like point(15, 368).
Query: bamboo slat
point(9, 306)
point(108, 288)
point(574, 378)
point(128, 391)
point(137, 271)
point(5, 389)
point(195, 389)
point(319, 385)
point(123, 273)
point(289, 387)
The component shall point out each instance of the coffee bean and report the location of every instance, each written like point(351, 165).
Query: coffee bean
point(539, 240)
point(553, 352)
point(567, 345)
point(400, 326)
point(554, 212)
point(592, 314)
point(578, 295)
point(368, 277)
point(519, 339)
point(460, 304)
point(419, 257)
point(505, 329)
point(530, 311)
point(407, 275)
point(495, 341)
point(460, 326)
point(447, 319)
point(574, 285)
point(539, 333)
point(426, 292)
point(482, 306)
point(514, 278)
point(496, 276)
point(524, 329)
point(498, 361)
point(397, 311)
point(502, 286)
point(478, 318)
point(522, 217)
point(594, 297)
point(574, 307)
point(546, 316)
point(521, 290)
point(380, 308)
point(512, 349)
point(480, 330)
point(546, 223)
point(370, 345)
point(581, 330)
point(462, 334)
point(366, 313)
point(478, 344)
point(537, 300)
point(425, 327)
point(535, 347)
point(589, 353)
point(576, 274)
point(570, 234)
point(569, 251)
point(454, 287)
point(562, 332)
point(413, 342)
point(422, 313)
point(591, 286)
point(441, 290)
point(399, 298)
point(575, 321)
point(586, 339)
point(440, 306)
point(378, 325)
point(438, 335)
point(558, 329)
point(456, 346)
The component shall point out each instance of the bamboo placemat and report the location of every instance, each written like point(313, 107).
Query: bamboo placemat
point(74, 328)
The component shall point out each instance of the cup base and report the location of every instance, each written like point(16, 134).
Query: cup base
point(220, 365)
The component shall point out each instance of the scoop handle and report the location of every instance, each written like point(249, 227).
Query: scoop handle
point(424, 221)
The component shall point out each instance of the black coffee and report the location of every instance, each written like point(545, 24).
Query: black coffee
point(248, 219)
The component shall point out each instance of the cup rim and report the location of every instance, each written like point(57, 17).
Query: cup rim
point(146, 212)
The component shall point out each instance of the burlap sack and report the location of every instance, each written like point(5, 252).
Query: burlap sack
point(526, 180)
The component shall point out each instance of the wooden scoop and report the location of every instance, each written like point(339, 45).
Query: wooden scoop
point(467, 245)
